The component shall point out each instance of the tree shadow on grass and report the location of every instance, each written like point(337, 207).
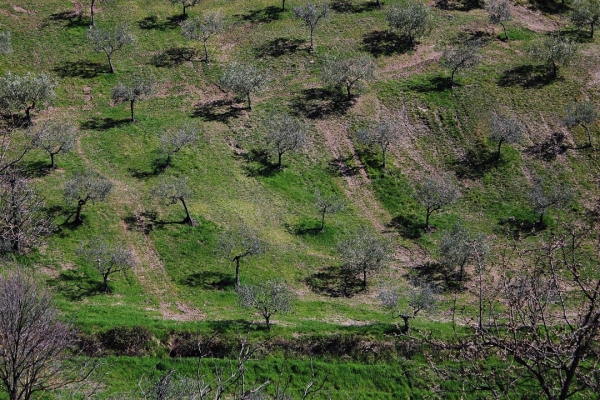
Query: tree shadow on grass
point(476, 163)
point(346, 6)
point(143, 221)
point(527, 76)
point(72, 18)
point(75, 285)
point(441, 275)
point(433, 84)
point(258, 164)
point(80, 69)
point(151, 22)
point(547, 6)
point(318, 102)
point(385, 43)
point(330, 281)
point(518, 227)
point(279, 47)
point(408, 226)
point(341, 167)
point(550, 148)
point(210, 280)
point(220, 110)
point(458, 5)
point(262, 15)
point(173, 57)
point(36, 169)
point(102, 124)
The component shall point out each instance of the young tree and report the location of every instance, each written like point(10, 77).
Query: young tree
point(499, 13)
point(203, 29)
point(586, 13)
point(311, 14)
point(86, 186)
point(185, 4)
point(54, 138)
point(458, 246)
point(268, 298)
point(109, 40)
point(380, 134)
point(411, 19)
point(92, 11)
point(544, 196)
point(364, 253)
point(5, 43)
point(347, 72)
point(327, 205)
point(464, 55)
point(554, 51)
point(244, 80)
point(584, 114)
point(285, 134)
point(435, 194)
point(26, 92)
point(172, 141)
point(238, 244)
point(504, 128)
point(421, 297)
point(140, 87)
point(175, 189)
point(107, 258)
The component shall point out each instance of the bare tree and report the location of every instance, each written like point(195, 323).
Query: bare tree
point(109, 40)
point(5, 43)
point(311, 14)
point(186, 4)
point(54, 138)
point(285, 134)
point(584, 114)
point(175, 189)
point(505, 129)
point(244, 80)
point(107, 258)
point(203, 29)
point(26, 92)
point(238, 244)
point(14, 145)
point(435, 194)
point(499, 13)
point(586, 13)
point(411, 19)
point(268, 298)
point(172, 141)
point(84, 187)
point(381, 134)
point(327, 204)
point(140, 87)
point(464, 55)
point(348, 72)
point(407, 303)
point(544, 196)
point(34, 344)
point(364, 253)
point(554, 50)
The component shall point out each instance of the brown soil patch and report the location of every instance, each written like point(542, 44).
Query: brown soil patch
point(532, 20)
point(414, 63)
point(22, 10)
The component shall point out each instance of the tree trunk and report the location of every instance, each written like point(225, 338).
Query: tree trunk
point(592, 30)
point(364, 279)
point(52, 160)
point(268, 321)
point(206, 53)
point(279, 154)
point(379, 3)
point(80, 204)
point(540, 219)
point(168, 162)
point(28, 113)
point(188, 219)
point(105, 277)
point(589, 135)
point(452, 78)
point(427, 227)
point(92, 12)
point(131, 108)
point(554, 70)
point(322, 221)
point(110, 64)
point(184, 10)
point(282, 5)
point(383, 151)
point(311, 50)
point(406, 327)
point(237, 271)
point(505, 33)
point(249, 101)
point(348, 87)
point(498, 151)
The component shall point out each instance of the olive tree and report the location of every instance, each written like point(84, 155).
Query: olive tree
point(84, 187)
point(26, 92)
point(238, 244)
point(186, 4)
point(203, 28)
point(584, 114)
point(458, 246)
point(407, 303)
point(347, 73)
point(435, 194)
point(138, 88)
point(5, 43)
point(410, 19)
point(54, 138)
point(554, 51)
point(463, 55)
point(381, 134)
point(327, 204)
point(586, 13)
point(172, 141)
point(499, 13)
point(311, 14)
point(545, 195)
point(268, 298)
point(244, 80)
point(284, 134)
point(174, 190)
point(505, 129)
point(109, 40)
point(108, 258)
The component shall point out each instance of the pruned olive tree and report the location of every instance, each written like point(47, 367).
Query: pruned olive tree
point(285, 134)
point(381, 134)
point(584, 114)
point(586, 13)
point(84, 187)
point(411, 19)
point(327, 204)
point(139, 87)
point(311, 14)
point(203, 28)
point(54, 139)
point(545, 195)
point(186, 4)
point(107, 258)
point(268, 298)
point(406, 303)
point(499, 13)
point(244, 80)
point(173, 141)
point(5, 43)
point(348, 73)
point(505, 129)
point(109, 40)
point(237, 244)
point(463, 55)
point(26, 92)
point(174, 190)
point(435, 194)
point(457, 247)
point(554, 51)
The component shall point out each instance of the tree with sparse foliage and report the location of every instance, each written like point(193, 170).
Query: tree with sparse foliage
point(26, 92)
point(238, 244)
point(348, 73)
point(84, 187)
point(363, 253)
point(311, 14)
point(584, 114)
point(203, 28)
point(285, 134)
point(109, 40)
point(174, 190)
point(410, 19)
point(545, 195)
point(435, 194)
point(505, 129)
point(5, 43)
point(554, 51)
point(54, 138)
point(269, 297)
point(244, 80)
point(381, 134)
point(186, 4)
point(140, 87)
point(586, 13)
point(457, 247)
point(464, 55)
point(327, 204)
point(421, 297)
point(172, 141)
point(108, 258)
point(499, 13)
